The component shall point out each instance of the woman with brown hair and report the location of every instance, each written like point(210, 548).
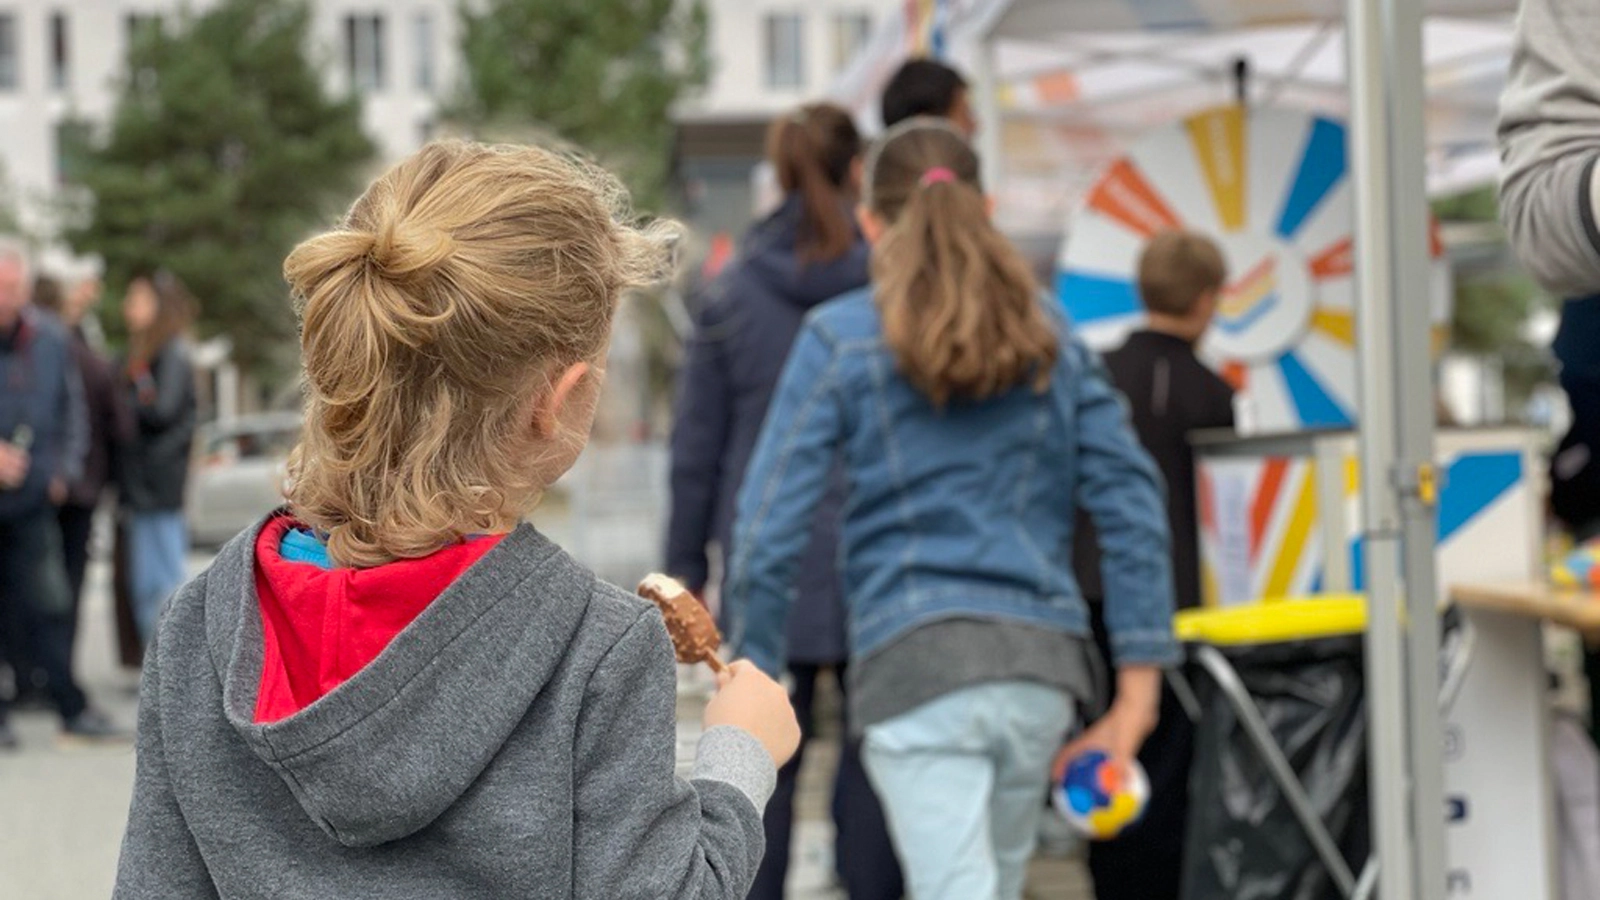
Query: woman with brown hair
point(158, 382)
point(972, 426)
point(805, 253)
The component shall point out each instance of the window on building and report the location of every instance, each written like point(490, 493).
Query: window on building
point(363, 52)
point(785, 45)
point(850, 33)
point(10, 65)
point(60, 53)
point(422, 48)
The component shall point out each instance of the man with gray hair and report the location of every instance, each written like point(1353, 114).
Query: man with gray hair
point(43, 436)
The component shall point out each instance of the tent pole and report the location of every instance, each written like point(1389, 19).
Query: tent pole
point(1415, 482)
point(1381, 189)
point(986, 94)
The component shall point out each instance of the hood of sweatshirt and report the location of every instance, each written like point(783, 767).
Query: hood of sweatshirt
point(772, 257)
point(377, 751)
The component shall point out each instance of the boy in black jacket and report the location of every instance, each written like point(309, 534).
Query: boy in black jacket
point(1171, 393)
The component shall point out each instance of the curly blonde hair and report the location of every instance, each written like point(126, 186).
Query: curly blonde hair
point(432, 320)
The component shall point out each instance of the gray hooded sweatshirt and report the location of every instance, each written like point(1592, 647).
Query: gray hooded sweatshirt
point(515, 740)
point(1550, 142)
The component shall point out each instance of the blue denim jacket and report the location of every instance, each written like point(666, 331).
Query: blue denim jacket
point(962, 512)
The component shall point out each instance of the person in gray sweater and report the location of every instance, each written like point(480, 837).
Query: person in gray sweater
point(1549, 194)
point(1549, 143)
point(394, 689)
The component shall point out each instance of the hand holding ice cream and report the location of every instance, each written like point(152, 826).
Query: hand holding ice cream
point(746, 697)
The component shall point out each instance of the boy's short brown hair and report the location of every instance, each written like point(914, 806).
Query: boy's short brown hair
point(1176, 269)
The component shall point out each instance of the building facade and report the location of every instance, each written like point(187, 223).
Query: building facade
point(61, 62)
point(767, 56)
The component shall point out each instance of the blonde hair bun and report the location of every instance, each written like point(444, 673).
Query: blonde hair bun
point(403, 249)
point(458, 282)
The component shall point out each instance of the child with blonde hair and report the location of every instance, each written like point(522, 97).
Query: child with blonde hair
point(392, 687)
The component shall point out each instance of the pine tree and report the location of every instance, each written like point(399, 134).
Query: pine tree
point(603, 74)
point(1493, 304)
point(225, 149)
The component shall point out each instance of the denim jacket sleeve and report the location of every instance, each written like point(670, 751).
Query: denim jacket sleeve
point(1122, 491)
point(787, 478)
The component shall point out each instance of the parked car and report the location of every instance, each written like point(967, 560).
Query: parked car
point(239, 474)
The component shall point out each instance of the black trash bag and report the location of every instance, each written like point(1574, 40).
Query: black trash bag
point(1244, 843)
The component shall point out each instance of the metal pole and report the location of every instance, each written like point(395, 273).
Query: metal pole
point(1387, 695)
point(986, 91)
point(1415, 481)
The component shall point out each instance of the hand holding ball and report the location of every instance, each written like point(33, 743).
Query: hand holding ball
point(1099, 798)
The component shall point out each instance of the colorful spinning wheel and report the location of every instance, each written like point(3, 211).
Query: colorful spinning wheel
point(1271, 187)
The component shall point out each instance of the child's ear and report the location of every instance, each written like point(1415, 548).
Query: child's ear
point(547, 411)
point(872, 227)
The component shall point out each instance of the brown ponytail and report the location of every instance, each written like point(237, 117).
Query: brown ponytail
point(961, 310)
point(812, 151)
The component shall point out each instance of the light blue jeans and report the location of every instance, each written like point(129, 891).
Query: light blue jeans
point(963, 780)
point(157, 544)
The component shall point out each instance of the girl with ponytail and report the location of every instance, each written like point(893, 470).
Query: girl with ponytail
point(805, 253)
point(972, 426)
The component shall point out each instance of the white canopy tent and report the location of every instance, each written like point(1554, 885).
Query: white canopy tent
point(1075, 81)
point(1061, 86)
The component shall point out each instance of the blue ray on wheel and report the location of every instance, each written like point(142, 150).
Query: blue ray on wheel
point(1322, 165)
point(1312, 402)
point(1093, 298)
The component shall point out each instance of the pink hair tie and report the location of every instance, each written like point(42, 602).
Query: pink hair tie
point(937, 175)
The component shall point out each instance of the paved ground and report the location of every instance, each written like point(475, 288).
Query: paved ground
point(64, 809)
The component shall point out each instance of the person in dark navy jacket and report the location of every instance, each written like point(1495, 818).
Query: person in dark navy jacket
point(43, 437)
point(805, 253)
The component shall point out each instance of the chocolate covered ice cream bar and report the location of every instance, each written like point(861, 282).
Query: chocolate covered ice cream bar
point(689, 624)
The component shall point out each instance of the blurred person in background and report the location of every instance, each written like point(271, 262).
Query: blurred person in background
point(43, 433)
point(926, 87)
point(807, 252)
point(1549, 135)
point(1550, 203)
point(973, 425)
point(1170, 394)
point(110, 426)
point(157, 380)
point(84, 295)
